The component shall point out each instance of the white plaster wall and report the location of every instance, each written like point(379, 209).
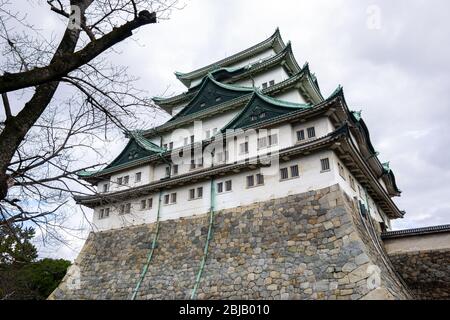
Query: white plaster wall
point(276, 73)
point(311, 178)
point(291, 95)
point(146, 177)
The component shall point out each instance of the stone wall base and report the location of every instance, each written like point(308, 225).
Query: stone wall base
point(313, 245)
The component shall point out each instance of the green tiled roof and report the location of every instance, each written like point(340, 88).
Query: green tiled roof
point(210, 94)
point(261, 108)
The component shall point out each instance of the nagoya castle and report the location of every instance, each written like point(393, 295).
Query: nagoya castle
point(259, 186)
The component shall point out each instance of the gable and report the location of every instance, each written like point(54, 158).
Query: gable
point(132, 151)
point(261, 108)
point(210, 94)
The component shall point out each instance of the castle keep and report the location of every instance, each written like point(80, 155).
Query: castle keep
point(258, 187)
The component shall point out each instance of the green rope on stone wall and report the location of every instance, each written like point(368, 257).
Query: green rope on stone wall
point(150, 254)
point(208, 239)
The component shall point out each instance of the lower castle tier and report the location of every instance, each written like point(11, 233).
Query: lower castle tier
point(256, 187)
point(312, 245)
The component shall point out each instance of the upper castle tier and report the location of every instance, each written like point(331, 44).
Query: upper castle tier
point(251, 127)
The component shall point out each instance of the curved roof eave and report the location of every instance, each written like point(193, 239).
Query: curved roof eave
point(275, 41)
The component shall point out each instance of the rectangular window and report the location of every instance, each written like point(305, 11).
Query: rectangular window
point(284, 173)
point(300, 135)
point(273, 139)
point(259, 179)
point(325, 164)
point(271, 82)
point(106, 212)
point(138, 177)
point(166, 198)
point(165, 145)
point(167, 171)
point(352, 183)
point(143, 204)
point(192, 164)
point(128, 208)
point(106, 187)
point(250, 181)
point(122, 209)
point(173, 197)
point(228, 185)
point(341, 170)
point(264, 85)
point(150, 203)
point(262, 142)
point(220, 187)
point(119, 181)
point(294, 171)
point(171, 146)
point(101, 214)
point(126, 180)
point(192, 139)
point(191, 194)
point(311, 132)
point(243, 148)
point(175, 169)
point(199, 192)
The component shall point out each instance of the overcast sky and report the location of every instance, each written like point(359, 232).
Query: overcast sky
point(391, 57)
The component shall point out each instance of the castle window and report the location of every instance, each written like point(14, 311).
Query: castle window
point(138, 177)
point(167, 171)
point(311, 132)
point(173, 197)
point(143, 204)
point(119, 181)
point(199, 192)
point(250, 181)
point(170, 145)
point(126, 180)
point(192, 164)
point(128, 208)
point(352, 183)
point(273, 139)
point(191, 194)
point(325, 164)
point(262, 115)
point(165, 145)
point(284, 173)
point(262, 142)
point(259, 179)
point(192, 139)
point(106, 187)
point(101, 214)
point(254, 117)
point(271, 82)
point(264, 85)
point(243, 148)
point(106, 212)
point(228, 185)
point(341, 170)
point(150, 203)
point(294, 171)
point(220, 187)
point(175, 169)
point(166, 198)
point(300, 135)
